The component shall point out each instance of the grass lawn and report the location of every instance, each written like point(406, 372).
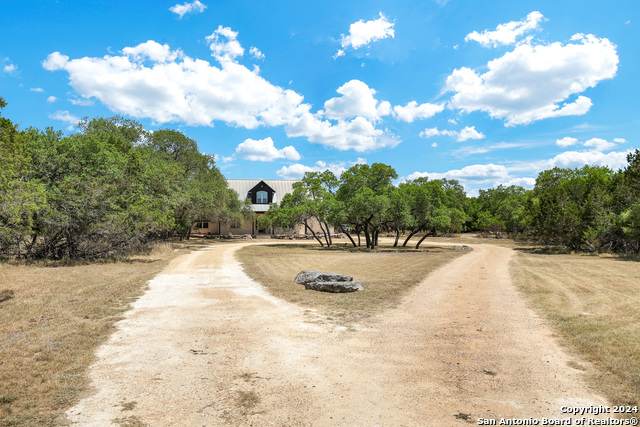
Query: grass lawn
point(51, 325)
point(594, 304)
point(388, 274)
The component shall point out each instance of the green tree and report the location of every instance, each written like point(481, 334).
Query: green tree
point(364, 193)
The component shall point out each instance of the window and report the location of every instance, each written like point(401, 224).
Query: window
point(262, 197)
point(202, 224)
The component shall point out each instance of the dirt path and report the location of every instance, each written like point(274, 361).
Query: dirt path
point(207, 346)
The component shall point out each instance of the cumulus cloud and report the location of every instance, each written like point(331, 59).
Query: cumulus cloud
point(180, 90)
point(51, 99)
point(576, 159)
point(566, 141)
point(36, 89)
point(358, 134)
point(224, 44)
point(597, 144)
point(506, 34)
point(297, 171)
point(363, 33)
point(357, 100)
point(536, 82)
point(187, 8)
point(10, 68)
point(412, 111)
point(64, 116)
point(153, 51)
point(255, 52)
point(469, 132)
point(153, 81)
point(263, 150)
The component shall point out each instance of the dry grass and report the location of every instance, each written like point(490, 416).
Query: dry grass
point(593, 302)
point(52, 325)
point(387, 273)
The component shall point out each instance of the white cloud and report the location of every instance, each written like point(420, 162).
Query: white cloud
point(223, 159)
point(153, 51)
point(263, 150)
point(224, 44)
point(297, 171)
point(506, 34)
point(81, 102)
point(576, 159)
point(10, 68)
point(412, 111)
point(476, 177)
point(51, 99)
point(469, 132)
point(152, 81)
point(566, 141)
point(64, 116)
point(597, 144)
point(600, 144)
point(536, 82)
point(183, 9)
point(36, 89)
point(256, 53)
point(183, 90)
point(358, 134)
point(357, 100)
point(338, 54)
point(434, 145)
point(55, 61)
point(363, 33)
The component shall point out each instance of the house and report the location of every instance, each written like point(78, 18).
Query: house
point(261, 193)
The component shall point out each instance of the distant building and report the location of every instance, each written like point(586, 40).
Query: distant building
point(261, 193)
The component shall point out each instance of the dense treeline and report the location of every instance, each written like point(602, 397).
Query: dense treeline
point(103, 191)
point(112, 187)
point(588, 209)
point(365, 203)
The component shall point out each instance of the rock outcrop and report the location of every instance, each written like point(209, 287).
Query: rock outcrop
point(327, 282)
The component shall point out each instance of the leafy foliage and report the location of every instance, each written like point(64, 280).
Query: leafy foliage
point(105, 190)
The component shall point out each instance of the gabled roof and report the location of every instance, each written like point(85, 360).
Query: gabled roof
point(280, 186)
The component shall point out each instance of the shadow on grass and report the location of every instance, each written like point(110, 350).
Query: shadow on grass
point(349, 248)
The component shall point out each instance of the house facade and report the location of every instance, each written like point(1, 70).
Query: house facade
point(261, 193)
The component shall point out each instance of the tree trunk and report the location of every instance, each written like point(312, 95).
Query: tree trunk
point(423, 237)
point(359, 243)
point(404, 245)
point(342, 230)
point(314, 234)
point(367, 236)
point(329, 233)
point(395, 244)
point(326, 237)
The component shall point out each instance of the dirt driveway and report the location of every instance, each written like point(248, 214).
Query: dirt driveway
point(207, 346)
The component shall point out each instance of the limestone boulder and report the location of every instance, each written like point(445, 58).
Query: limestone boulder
point(310, 276)
point(335, 287)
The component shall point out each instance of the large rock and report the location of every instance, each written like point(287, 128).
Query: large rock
point(335, 287)
point(310, 276)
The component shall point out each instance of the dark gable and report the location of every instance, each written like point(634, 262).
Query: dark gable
point(261, 186)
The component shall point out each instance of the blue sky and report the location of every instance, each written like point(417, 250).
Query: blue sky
point(488, 92)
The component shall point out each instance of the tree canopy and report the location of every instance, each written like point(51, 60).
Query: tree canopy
point(105, 190)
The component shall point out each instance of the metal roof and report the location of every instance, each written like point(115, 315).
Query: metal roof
point(280, 186)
